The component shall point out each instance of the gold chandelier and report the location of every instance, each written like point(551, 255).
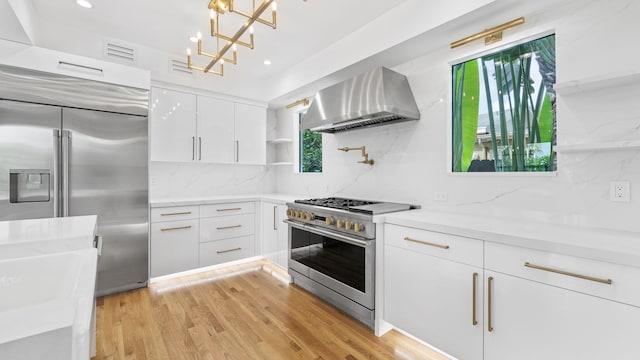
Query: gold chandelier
point(217, 7)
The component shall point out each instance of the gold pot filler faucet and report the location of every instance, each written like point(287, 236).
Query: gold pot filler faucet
point(364, 154)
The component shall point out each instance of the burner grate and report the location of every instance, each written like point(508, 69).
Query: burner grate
point(335, 202)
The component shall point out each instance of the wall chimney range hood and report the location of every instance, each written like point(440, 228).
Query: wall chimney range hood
point(377, 97)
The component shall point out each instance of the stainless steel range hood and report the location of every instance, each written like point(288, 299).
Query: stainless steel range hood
point(377, 97)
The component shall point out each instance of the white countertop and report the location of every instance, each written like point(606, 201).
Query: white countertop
point(621, 247)
point(177, 201)
point(20, 238)
point(43, 294)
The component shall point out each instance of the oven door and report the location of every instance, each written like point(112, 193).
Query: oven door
point(342, 263)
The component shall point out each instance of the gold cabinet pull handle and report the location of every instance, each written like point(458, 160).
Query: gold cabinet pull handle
point(176, 228)
point(229, 209)
point(427, 243)
point(229, 227)
point(275, 209)
point(561, 272)
point(177, 213)
point(489, 301)
point(226, 251)
point(474, 320)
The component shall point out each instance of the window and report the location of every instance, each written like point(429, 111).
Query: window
point(503, 110)
point(310, 150)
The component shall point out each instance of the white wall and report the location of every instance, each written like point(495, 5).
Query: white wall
point(593, 39)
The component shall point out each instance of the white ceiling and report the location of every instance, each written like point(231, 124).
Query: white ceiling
point(304, 27)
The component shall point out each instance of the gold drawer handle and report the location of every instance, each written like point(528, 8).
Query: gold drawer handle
point(427, 243)
point(561, 272)
point(489, 303)
point(229, 227)
point(226, 251)
point(474, 320)
point(176, 228)
point(229, 209)
point(177, 213)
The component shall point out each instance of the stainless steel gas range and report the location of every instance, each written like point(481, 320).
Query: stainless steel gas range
point(332, 250)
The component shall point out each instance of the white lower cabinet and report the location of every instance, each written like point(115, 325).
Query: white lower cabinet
point(434, 299)
point(531, 320)
point(174, 246)
point(529, 304)
point(275, 233)
point(227, 232)
point(552, 306)
point(187, 237)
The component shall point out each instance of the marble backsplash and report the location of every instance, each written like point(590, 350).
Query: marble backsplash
point(178, 180)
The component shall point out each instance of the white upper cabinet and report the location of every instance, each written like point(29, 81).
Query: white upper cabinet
point(192, 128)
point(215, 130)
point(173, 125)
point(250, 134)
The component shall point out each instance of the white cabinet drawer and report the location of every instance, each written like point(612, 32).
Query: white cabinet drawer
point(574, 273)
point(225, 227)
point(221, 251)
point(450, 247)
point(227, 209)
point(173, 213)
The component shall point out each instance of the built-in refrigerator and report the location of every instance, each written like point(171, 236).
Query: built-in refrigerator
point(70, 147)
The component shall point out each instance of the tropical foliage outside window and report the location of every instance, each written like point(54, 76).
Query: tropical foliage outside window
point(504, 116)
point(310, 150)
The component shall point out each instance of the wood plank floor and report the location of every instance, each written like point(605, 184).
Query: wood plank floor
point(241, 312)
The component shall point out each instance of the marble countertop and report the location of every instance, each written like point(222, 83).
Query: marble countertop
point(621, 247)
point(44, 294)
point(278, 198)
point(21, 238)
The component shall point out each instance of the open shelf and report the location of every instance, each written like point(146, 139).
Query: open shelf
point(597, 83)
point(280, 163)
point(600, 146)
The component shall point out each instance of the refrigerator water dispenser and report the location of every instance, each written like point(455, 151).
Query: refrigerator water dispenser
point(29, 185)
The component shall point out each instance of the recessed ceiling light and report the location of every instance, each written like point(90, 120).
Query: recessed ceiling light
point(84, 4)
point(267, 62)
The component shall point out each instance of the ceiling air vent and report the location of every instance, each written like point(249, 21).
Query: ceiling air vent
point(180, 66)
point(119, 52)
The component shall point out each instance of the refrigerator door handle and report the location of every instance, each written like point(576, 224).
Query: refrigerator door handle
point(56, 168)
point(66, 136)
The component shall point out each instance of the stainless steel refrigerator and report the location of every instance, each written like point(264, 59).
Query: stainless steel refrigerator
point(70, 147)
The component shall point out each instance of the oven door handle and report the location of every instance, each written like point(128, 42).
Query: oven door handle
point(330, 234)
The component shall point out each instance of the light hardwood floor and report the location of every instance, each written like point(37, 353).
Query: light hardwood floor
point(245, 311)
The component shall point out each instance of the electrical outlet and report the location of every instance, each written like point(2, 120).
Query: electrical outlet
point(620, 191)
point(441, 196)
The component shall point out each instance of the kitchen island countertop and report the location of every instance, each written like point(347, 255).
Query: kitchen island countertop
point(22, 238)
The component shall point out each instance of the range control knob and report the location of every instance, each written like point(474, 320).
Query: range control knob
point(357, 227)
point(329, 220)
point(309, 216)
point(348, 224)
point(339, 223)
point(300, 215)
point(288, 212)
